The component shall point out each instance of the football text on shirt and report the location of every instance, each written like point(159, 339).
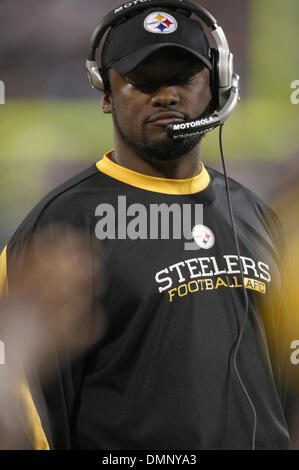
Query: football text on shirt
point(206, 273)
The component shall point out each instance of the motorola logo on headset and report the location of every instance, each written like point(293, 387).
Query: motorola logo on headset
point(130, 4)
point(190, 124)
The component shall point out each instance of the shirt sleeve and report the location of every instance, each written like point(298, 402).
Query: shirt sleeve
point(281, 319)
point(29, 416)
point(3, 274)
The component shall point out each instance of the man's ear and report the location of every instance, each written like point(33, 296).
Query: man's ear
point(106, 103)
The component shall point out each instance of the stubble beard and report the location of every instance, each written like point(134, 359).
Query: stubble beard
point(164, 149)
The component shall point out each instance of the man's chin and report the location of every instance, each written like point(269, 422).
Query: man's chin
point(160, 148)
point(166, 149)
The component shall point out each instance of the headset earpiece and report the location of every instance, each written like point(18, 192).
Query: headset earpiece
point(94, 74)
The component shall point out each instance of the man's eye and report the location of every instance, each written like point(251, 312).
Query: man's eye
point(138, 85)
point(141, 85)
point(145, 87)
point(150, 86)
point(188, 80)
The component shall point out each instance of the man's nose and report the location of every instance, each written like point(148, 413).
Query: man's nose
point(165, 96)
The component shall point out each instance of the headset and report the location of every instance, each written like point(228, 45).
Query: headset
point(225, 83)
point(226, 95)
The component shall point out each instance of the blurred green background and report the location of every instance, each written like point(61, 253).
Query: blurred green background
point(51, 125)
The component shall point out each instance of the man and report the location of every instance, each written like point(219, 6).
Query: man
point(165, 376)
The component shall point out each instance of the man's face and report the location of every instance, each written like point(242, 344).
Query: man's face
point(169, 86)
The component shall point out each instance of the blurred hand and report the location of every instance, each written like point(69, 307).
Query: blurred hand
point(50, 308)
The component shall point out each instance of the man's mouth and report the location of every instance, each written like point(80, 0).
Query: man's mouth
point(164, 118)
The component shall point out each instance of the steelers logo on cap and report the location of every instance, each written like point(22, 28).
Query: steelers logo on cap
point(203, 236)
point(160, 23)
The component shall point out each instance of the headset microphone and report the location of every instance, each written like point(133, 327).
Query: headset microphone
point(205, 124)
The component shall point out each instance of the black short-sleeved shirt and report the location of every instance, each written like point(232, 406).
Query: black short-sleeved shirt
point(162, 376)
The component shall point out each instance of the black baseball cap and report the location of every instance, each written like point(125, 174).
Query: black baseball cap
point(129, 42)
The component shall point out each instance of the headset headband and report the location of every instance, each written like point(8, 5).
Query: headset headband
point(130, 7)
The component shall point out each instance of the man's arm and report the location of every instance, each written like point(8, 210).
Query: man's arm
point(280, 317)
point(30, 419)
point(50, 274)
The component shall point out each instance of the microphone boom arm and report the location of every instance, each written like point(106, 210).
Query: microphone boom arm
point(203, 125)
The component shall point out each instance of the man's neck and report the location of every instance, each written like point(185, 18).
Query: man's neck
point(184, 167)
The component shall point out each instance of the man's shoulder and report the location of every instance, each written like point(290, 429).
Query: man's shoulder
point(247, 207)
point(237, 189)
point(239, 193)
point(58, 206)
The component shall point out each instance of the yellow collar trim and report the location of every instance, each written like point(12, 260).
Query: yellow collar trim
point(152, 183)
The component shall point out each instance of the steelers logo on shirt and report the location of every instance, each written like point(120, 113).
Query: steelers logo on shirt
point(160, 23)
point(203, 236)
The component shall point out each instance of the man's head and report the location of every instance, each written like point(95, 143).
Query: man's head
point(158, 70)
